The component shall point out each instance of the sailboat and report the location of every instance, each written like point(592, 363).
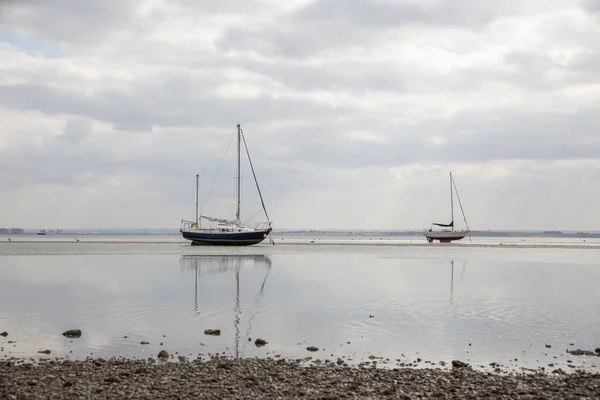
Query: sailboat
point(223, 232)
point(448, 233)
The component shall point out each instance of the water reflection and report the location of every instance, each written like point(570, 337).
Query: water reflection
point(462, 273)
point(451, 281)
point(208, 264)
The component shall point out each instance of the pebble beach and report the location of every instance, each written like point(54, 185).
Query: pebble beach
point(286, 379)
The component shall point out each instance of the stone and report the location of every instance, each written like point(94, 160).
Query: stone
point(260, 342)
point(459, 364)
point(213, 332)
point(72, 333)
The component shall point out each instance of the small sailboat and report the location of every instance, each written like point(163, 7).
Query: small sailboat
point(223, 232)
point(447, 233)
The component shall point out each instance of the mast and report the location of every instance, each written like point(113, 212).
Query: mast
point(197, 178)
point(451, 203)
point(239, 136)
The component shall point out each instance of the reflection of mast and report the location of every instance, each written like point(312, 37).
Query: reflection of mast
point(196, 289)
point(237, 312)
point(225, 263)
point(451, 281)
point(258, 296)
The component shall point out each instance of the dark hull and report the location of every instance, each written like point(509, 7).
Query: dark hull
point(226, 238)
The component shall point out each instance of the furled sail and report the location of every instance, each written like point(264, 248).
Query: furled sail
point(450, 225)
point(221, 220)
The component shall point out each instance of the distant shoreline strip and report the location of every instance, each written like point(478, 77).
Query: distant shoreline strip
point(320, 242)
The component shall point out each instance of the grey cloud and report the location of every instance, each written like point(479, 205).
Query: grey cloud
point(72, 21)
point(463, 13)
point(337, 23)
point(591, 6)
point(164, 104)
point(469, 137)
point(77, 130)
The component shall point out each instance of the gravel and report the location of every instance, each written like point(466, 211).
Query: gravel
point(267, 378)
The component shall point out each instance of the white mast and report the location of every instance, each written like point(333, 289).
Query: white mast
point(451, 203)
point(197, 178)
point(237, 214)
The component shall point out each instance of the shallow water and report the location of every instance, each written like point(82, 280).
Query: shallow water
point(438, 303)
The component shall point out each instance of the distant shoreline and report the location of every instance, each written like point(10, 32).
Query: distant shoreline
point(320, 242)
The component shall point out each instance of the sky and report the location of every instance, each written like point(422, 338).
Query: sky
point(354, 112)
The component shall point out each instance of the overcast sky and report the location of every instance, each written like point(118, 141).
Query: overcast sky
point(354, 111)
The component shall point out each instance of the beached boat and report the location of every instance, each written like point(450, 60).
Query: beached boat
point(224, 232)
point(447, 233)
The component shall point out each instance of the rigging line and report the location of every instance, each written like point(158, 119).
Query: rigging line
point(253, 215)
point(258, 297)
point(213, 158)
point(216, 175)
point(255, 180)
point(459, 203)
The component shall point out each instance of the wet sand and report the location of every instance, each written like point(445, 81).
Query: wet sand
point(268, 378)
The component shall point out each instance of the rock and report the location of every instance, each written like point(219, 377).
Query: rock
point(142, 342)
point(44, 351)
point(459, 364)
point(5, 334)
point(112, 379)
point(580, 352)
point(548, 346)
point(260, 342)
point(213, 332)
point(72, 333)
point(11, 341)
point(68, 384)
point(163, 354)
point(312, 348)
point(597, 350)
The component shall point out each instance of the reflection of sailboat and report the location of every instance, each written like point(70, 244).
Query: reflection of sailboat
point(223, 264)
point(226, 232)
point(449, 234)
point(452, 278)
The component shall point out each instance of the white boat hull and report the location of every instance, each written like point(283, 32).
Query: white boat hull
point(445, 236)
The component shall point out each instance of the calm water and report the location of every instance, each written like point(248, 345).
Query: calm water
point(429, 302)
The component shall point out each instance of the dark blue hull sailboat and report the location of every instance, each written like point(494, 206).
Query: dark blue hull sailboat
point(225, 232)
point(214, 238)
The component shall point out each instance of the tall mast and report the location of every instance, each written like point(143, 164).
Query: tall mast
point(451, 203)
point(239, 140)
point(197, 178)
